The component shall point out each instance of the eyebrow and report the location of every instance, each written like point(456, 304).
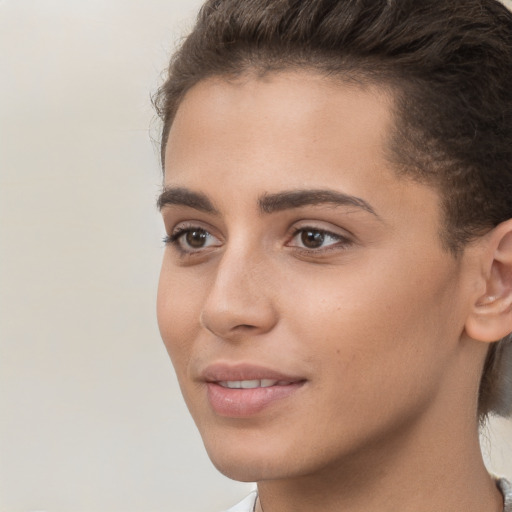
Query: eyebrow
point(185, 197)
point(268, 203)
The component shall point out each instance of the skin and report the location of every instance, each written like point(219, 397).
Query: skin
point(374, 319)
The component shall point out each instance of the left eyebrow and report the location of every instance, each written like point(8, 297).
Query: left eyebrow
point(270, 203)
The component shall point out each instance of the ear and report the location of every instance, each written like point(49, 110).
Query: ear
point(491, 315)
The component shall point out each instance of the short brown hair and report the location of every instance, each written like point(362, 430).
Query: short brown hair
point(449, 66)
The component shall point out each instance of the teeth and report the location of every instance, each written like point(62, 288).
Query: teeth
point(249, 384)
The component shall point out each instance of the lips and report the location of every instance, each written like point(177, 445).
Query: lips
point(221, 372)
point(247, 390)
point(251, 384)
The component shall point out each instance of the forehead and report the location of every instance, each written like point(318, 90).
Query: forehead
point(283, 131)
point(300, 108)
point(280, 113)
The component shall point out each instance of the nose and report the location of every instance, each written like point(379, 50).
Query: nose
point(239, 302)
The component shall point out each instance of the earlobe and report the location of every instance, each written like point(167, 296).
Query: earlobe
point(491, 315)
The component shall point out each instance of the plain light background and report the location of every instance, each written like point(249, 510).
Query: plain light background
point(91, 418)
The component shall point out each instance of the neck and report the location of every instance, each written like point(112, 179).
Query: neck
point(435, 465)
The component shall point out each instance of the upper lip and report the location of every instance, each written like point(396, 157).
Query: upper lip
point(222, 372)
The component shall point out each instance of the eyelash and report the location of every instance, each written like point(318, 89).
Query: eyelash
point(343, 242)
point(174, 238)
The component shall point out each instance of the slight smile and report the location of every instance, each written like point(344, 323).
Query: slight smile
point(245, 390)
point(251, 384)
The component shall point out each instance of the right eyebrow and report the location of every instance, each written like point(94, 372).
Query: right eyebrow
point(184, 197)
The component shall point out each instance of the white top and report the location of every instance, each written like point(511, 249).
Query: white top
point(246, 505)
point(506, 489)
point(249, 502)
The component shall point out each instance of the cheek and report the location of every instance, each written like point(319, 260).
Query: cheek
point(177, 314)
point(369, 328)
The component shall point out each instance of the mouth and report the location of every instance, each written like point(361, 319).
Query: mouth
point(243, 391)
point(252, 384)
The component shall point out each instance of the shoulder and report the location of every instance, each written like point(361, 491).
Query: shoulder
point(246, 505)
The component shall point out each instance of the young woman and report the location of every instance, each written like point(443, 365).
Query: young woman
point(336, 294)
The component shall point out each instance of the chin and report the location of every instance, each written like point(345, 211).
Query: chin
point(241, 471)
point(249, 456)
point(252, 469)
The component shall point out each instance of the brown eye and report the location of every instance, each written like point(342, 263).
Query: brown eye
point(312, 239)
point(191, 240)
point(318, 240)
point(196, 238)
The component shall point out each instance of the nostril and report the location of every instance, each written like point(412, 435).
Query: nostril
point(227, 314)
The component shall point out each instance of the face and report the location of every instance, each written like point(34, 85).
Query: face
point(305, 300)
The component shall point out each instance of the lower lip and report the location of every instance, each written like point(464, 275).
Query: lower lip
point(242, 403)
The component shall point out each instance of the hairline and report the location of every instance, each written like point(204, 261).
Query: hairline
point(359, 77)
